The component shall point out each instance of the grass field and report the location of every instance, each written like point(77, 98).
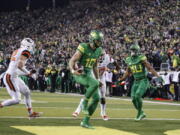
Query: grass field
point(163, 118)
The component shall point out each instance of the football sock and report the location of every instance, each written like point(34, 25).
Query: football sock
point(78, 109)
point(27, 99)
point(103, 106)
point(86, 119)
point(85, 106)
point(139, 105)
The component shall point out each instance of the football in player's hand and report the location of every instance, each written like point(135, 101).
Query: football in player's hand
point(80, 70)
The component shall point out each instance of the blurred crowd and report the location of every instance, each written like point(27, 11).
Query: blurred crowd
point(153, 24)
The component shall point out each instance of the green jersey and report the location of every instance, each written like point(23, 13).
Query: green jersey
point(89, 56)
point(136, 66)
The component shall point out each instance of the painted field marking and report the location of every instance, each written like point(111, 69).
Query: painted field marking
point(170, 110)
point(71, 130)
point(152, 119)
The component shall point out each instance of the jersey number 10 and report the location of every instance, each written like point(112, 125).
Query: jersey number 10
point(90, 62)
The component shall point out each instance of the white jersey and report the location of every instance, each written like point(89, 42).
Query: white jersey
point(176, 76)
point(106, 60)
point(15, 58)
point(103, 65)
point(166, 79)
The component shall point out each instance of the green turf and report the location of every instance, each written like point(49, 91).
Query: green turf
point(61, 105)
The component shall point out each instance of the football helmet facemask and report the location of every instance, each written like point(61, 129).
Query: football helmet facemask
point(96, 38)
point(135, 50)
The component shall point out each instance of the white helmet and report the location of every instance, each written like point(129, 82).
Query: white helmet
point(28, 44)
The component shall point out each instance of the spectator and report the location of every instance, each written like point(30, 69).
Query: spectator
point(64, 74)
point(108, 76)
point(57, 32)
point(176, 82)
point(166, 86)
point(53, 77)
point(41, 79)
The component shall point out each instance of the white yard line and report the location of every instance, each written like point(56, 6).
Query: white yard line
point(162, 103)
point(153, 119)
point(113, 98)
point(149, 109)
point(145, 101)
point(125, 99)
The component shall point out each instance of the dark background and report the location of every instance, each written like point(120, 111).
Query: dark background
point(10, 5)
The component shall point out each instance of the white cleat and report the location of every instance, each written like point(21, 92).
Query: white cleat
point(105, 117)
point(75, 114)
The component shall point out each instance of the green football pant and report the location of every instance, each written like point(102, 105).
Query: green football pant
point(93, 105)
point(92, 86)
point(90, 83)
point(138, 89)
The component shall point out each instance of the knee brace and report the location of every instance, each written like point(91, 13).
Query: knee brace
point(103, 101)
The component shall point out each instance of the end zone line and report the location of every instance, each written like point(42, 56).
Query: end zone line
point(172, 110)
point(150, 102)
point(21, 117)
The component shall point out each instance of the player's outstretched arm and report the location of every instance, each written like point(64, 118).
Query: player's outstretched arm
point(126, 74)
point(76, 57)
point(150, 68)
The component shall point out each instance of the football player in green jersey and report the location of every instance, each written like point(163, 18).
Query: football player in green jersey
point(137, 65)
point(87, 55)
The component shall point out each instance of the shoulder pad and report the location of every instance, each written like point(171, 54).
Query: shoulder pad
point(142, 57)
point(127, 60)
point(100, 50)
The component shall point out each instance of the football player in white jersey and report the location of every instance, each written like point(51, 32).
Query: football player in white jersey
point(14, 85)
point(106, 59)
